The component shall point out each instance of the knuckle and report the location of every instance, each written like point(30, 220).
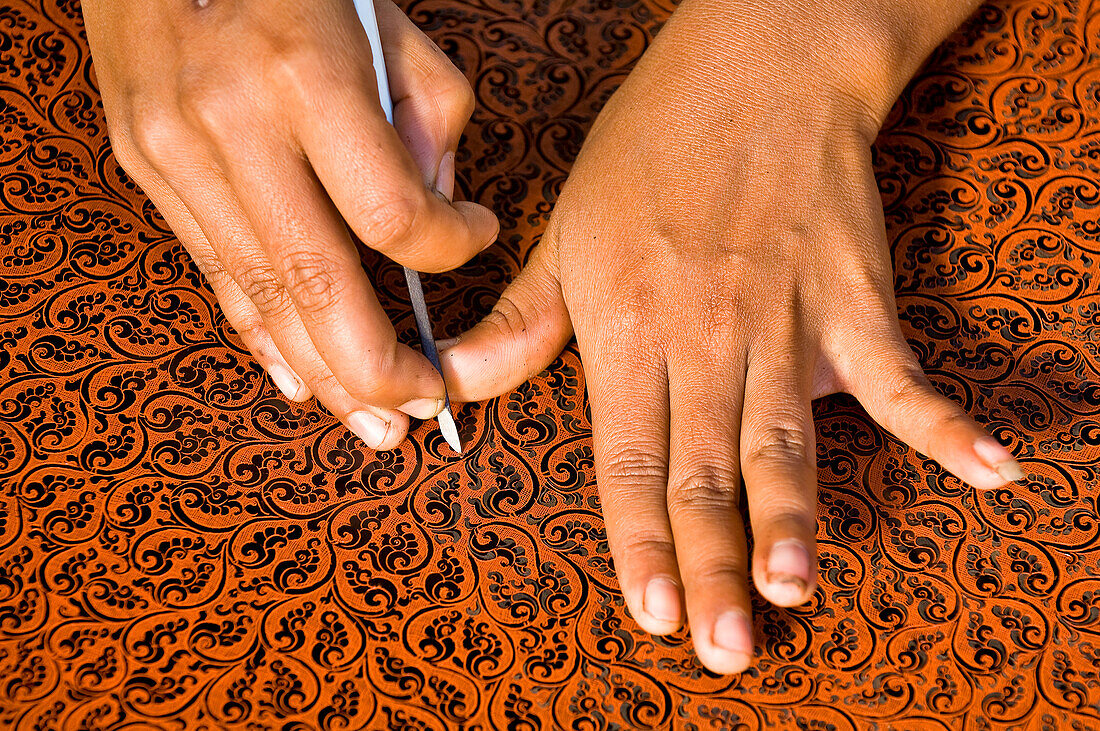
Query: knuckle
point(286, 71)
point(155, 133)
point(869, 287)
point(635, 467)
point(634, 313)
point(454, 94)
point(645, 549)
point(126, 153)
point(730, 571)
point(792, 521)
point(378, 371)
point(703, 489)
point(299, 71)
point(951, 419)
point(321, 380)
point(218, 113)
point(217, 103)
point(314, 281)
point(382, 224)
point(254, 333)
point(262, 285)
point(914, 406)
point(507, 318)
point(777, 443)
point(906, 388)
point(210, 268)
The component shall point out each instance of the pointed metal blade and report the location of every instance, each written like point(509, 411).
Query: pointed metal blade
point(449, 429)
point(427, 343)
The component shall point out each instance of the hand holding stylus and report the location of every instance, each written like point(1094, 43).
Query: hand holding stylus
point(256, 130)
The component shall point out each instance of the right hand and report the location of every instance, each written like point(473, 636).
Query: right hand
point(255, 128)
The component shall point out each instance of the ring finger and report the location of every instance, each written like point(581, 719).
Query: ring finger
point(232, 239)
point(779, 466)
point(238, 309)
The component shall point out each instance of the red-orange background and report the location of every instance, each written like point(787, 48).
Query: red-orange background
point(180, 547)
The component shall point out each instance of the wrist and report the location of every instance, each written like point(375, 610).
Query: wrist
point(907, 32)
point(839, 61)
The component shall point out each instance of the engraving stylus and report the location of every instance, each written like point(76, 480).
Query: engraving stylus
point(446, 419)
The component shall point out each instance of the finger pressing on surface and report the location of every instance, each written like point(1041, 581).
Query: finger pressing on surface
point(246, 320)
point(779, 466)
point(238, 309)
point(378, 428)
point(897, 394)
point(631, 461)
point(527, 328)
point(317, 267)
point(705, 393)
point(227, 236)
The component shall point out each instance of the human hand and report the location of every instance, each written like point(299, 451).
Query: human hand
point(720, 252)
point(255, 129)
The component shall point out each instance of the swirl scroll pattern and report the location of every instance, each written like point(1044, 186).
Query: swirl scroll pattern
point(182, 548)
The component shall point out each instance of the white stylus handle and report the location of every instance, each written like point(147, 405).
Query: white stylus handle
point(447, 426)
point(369, 19)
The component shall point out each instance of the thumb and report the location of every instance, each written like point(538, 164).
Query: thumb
point(528, 327)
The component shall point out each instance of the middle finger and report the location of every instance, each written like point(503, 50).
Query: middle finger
point(705, 394)
point(214, 207)
point(307, 243)
point(779, 463)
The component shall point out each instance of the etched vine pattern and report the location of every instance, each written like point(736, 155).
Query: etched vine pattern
point(180, 547)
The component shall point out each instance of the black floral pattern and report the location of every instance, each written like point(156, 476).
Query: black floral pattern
point(182, 548)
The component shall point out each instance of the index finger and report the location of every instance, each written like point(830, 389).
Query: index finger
point(373, 180)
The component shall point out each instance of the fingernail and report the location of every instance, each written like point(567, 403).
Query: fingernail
point(445, 343)
point(733, 632)
point(789, 561)
point(368, 427)
point(999, 459)
point(662, 600)
point(788, 571)
point(445, 176)
point(422, 408)
point(285, 381)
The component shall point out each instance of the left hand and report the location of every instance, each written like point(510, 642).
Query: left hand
point(720, 251)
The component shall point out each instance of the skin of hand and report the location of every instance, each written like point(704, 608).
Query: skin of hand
point(254, 126)
point(720, 252)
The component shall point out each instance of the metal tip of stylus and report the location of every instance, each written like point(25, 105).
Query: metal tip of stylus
point(449, 429)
